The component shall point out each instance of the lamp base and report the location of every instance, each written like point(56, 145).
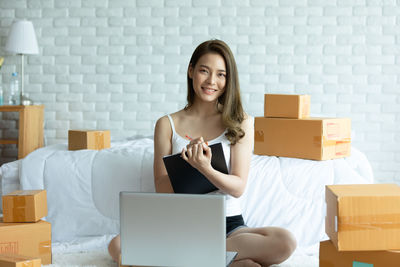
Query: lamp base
point(26, 101)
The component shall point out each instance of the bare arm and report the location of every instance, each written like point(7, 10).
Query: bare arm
point(162, 147)
point(199, 156)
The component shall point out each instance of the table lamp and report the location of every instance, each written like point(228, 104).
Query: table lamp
point(22, 41)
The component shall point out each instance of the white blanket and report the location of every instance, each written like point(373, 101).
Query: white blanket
point(83, 188)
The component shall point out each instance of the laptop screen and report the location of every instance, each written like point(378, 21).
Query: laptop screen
point(172, 229)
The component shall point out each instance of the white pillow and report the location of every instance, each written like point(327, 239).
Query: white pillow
point(123, 168)
point(83, 186)
point(71, 211)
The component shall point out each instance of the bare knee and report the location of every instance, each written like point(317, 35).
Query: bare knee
point(114, 248)
point(285, 244)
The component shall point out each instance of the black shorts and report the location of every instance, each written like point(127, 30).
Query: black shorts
point(234, 223)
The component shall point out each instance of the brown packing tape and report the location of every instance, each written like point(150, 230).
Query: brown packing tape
point(99, 140)
point(330, 142)
point(19, 201)
point(19, 214)
point(368, 226)
point(19, 211)
point(342, 148)
point(369, 222)
point(259, 136)
point(375, 218)
point(45, 247)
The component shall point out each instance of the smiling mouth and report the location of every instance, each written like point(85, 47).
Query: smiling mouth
point(208, 90)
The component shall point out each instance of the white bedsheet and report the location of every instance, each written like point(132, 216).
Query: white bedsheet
point(92, 252)
point(83, 187)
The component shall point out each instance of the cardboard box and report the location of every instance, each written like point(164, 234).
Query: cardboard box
point(24, 206)
point(82, 139)
point(309, 138)
point(19, 261)
point(330, 257)
point(28, 239)
point(286, 106)
point(363, 217)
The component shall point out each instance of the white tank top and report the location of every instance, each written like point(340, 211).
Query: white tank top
point(233, 206)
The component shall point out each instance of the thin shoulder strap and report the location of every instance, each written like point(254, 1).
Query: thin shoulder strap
point(172, 123)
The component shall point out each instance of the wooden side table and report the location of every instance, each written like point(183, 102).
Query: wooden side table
point(30, 133)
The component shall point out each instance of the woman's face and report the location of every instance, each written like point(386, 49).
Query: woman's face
point(209, 77)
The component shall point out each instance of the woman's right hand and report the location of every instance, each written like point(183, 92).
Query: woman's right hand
point(198, 154)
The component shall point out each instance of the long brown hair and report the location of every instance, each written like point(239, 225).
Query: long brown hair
point(232, 110)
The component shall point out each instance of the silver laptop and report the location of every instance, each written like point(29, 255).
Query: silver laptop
point(173, 230)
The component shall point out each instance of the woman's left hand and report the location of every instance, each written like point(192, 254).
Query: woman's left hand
point(197, 154)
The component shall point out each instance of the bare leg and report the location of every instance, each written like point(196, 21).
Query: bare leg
point(264, 245)
point(114, 248)
point(255, 246)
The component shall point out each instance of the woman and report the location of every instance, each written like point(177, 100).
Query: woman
point(214, 114)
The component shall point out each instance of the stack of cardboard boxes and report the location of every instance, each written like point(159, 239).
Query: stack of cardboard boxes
point(363, 224)
point(287, 130)
point(25, 239)
point(362, 221)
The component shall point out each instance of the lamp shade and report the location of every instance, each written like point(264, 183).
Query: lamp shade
point(22, 38)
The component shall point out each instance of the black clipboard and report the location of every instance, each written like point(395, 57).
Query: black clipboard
point(188, 180)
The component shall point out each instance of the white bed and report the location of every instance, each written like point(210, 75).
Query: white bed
point(83, 186)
